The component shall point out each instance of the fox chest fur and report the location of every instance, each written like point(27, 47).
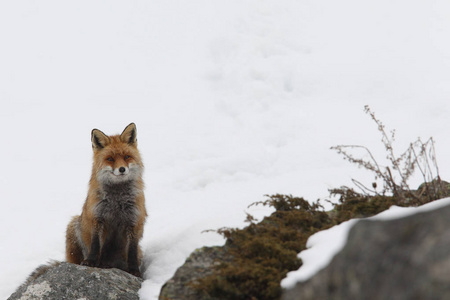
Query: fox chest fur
point(117, 207)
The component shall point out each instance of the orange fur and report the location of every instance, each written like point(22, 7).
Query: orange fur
point(117, 228)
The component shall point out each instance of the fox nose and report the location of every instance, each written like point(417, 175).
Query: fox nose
point(122, 170)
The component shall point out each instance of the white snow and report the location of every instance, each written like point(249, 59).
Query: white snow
point(233, 99)
point(324, 245)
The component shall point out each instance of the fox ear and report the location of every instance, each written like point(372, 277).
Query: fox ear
point(129, 135)
point(99, 139)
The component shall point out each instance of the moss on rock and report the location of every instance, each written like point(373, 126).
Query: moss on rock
point(263, 253)
point(255, 259)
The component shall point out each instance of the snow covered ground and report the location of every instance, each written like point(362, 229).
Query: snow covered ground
point(232, 99)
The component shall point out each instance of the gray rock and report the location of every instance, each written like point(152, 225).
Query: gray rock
point(61, 280)
point(407, 258)
point(198, 265)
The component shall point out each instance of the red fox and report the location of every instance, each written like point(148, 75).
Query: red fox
point(107, 233)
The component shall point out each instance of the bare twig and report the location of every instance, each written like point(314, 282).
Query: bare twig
point(418, 155)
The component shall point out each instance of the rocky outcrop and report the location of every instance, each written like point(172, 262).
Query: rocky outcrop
point(62, 280)
point(407, 258)
point(198, 265)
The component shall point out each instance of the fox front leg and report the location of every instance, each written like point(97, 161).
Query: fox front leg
point(133, 260)
point(91, 260)
point(112, 252)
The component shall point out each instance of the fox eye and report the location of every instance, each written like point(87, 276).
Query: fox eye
point(126, 157)
point(110, 159)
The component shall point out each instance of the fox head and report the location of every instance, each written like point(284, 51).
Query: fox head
point(116, 157)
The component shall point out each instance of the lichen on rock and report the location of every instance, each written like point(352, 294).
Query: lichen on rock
point(63, 280)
